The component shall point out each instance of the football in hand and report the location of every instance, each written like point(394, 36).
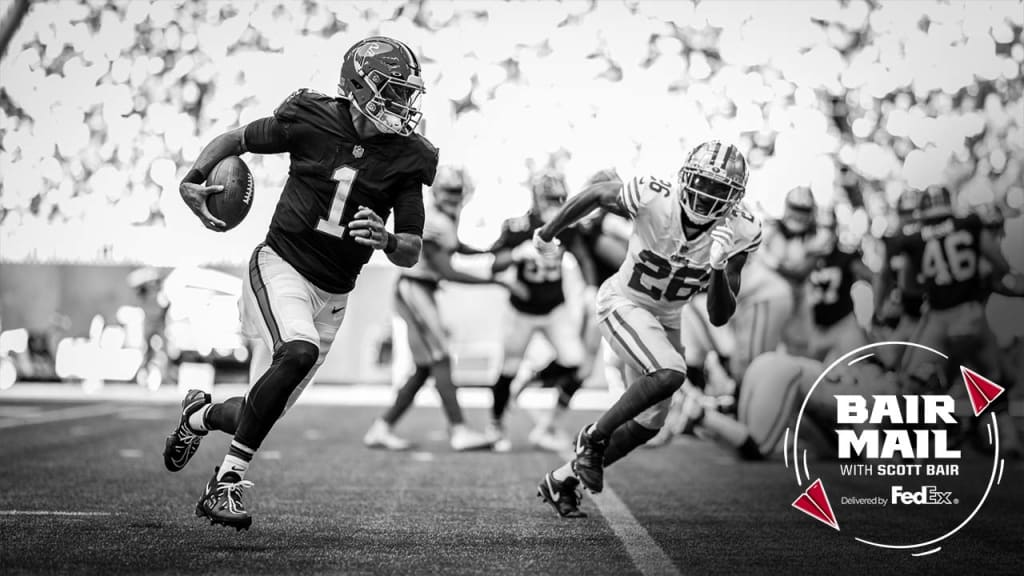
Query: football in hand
point(231, 205)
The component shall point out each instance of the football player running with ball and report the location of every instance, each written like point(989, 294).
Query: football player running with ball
point(689, 235)
point(354, 159)
point(415, 302)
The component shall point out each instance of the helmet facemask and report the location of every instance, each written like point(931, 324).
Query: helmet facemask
point(393, 107)
point(706, 197)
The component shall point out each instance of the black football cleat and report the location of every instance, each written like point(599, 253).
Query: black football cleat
point(222, 503)
point(184, 441)
point(564, 496)
point(588, 465)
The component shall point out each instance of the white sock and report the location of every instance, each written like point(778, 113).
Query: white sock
point(195, 421)
point(562, 472)
point(233, 464)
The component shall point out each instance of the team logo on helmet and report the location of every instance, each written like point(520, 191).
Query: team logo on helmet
point(712, 181)
point(381, 76)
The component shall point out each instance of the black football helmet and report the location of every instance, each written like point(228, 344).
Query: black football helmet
point(381, 76)
point(799, 212)
point(936, 202)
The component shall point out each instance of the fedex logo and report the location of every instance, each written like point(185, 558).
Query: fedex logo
point(926, 495)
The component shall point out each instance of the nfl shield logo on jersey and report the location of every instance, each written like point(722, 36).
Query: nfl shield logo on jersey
point(357, 151)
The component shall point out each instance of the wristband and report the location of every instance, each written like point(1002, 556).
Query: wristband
point(392, 244)
point(194, 177)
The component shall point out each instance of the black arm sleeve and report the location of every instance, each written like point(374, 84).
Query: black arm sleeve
point(409, 209)
point(266, 136)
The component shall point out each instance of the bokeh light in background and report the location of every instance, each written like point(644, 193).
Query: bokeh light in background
point(104, 105)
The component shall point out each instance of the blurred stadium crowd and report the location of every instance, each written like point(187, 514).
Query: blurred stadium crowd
point(104, 104)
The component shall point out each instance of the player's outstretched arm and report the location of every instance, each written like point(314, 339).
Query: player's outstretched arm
point(441, 261)
point(604, 194)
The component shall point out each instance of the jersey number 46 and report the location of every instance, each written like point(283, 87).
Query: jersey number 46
point(950, 258)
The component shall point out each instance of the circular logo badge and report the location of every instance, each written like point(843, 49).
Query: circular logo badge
point(901, 462)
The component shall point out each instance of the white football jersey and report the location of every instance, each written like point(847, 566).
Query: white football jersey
point(441, 229)
point(663, 269)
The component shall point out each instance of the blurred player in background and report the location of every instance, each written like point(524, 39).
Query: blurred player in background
point(949, 249)
point(899, 296)
point(540, 308)
point(791, 246)
point(428, 337)
point(834, 327)
point(689, 235)
point(354, 159)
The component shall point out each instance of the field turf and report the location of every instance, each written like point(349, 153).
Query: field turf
point(86, 492)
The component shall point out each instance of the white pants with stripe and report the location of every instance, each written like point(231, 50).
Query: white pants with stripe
point(559, 327)
point(645, 342)
point(417, 306)
point(279, 305)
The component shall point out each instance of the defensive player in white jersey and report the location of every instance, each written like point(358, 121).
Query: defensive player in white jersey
point(415, 302)
point(689, 235)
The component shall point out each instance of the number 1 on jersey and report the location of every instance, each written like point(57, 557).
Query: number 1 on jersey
point(345, 177)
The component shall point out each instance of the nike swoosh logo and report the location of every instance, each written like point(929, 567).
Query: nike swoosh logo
point(237, 469)
point(336, 310)
point(555, 496)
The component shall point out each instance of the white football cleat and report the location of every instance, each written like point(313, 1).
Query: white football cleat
point(495, 434)
point(463, 439)
point(380, 436)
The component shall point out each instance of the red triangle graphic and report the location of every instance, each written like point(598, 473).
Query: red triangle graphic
point(981, 390)
point(814, 502)
point(817, 493)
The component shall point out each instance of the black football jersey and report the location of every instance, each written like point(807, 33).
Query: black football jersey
point(590, 232)
point(829, 287)
point(947, 253)
point(332, 173)
point(542, 276)
point(908, 281)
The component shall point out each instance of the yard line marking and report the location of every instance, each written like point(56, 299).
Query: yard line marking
point(645, 553)
point(51, 513)
point(74, 413)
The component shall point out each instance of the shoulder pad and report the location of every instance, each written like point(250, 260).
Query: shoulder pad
point(640, 191)
point(747, 229)
point(426, 155)
point(305, 105)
